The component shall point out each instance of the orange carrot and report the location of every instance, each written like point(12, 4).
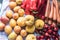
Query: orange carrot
point(51, 14)
point(58, 16)
point(54, 15)
point(47, 9)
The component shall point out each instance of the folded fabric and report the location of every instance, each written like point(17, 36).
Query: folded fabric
point(4, 7)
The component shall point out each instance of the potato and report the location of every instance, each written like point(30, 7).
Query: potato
point(16, 8)
point(12, 23)
point(15, 16)
point(12, 4)
point(9, 14)
point(23, 33)
point(21, 21)
point(19, 37)
point(21, 12)
point(4, 19)
point(17, 29)
point(19, 1)
point(8, 30)
point(2, 25)
point(12, 36)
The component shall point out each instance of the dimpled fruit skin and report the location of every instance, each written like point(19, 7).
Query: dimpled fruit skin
point(16, 9)
point(15, 16)
point(8, 30)
point(9, 14)
point(19, 37)
point(2, 25)
point(23, 33)
point(21, 12)
point(12, 23)
point(21, 21)
point(31, 37)
point(12, 36)
point(29, 20)
point(17, 29)
point(39, 24)
point(12, 4)
point(30, 29)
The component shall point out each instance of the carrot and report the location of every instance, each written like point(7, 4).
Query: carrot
point(58, 16)
point(47, 9)
point(54, 17)
point(54, 14)
point(51, 14)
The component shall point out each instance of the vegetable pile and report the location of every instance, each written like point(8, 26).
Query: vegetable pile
point(29, 17)
point(34, 7)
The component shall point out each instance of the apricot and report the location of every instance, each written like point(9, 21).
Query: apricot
point(21, 21)
point(8, 30)
point(17, 29)
point(9, 14)
point(12, 23)
point(21, 12)
point(15, 16)
point(23, 33)
point(19, 37)
point(2, 25)
point(16, 9)
point(12, 4)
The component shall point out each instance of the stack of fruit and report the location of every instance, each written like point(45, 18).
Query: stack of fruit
point(48, 33)
point(21, 26)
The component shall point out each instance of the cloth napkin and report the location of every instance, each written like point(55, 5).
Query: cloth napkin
point(3, 8)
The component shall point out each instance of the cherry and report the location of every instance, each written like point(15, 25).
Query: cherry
point(56, 38)
point(54, 33)
point(41, 36)
point(49, 31)
point(49, 27)
point(46, 26)
point(47, 35)
point(38, 37)
point(42, 17)
point(55, 29)
point(52, 26)
point(45, 30)
point(48, 39)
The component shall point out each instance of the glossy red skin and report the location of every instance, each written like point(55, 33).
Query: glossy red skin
point(55, 29)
